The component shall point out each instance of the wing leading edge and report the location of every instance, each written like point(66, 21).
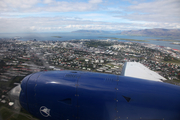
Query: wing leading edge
point(138, 70)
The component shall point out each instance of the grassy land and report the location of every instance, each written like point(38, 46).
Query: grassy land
point(5, 113)
point(8, 114)
point(127, 39)
point(17, 79)
point(57, 36)
point(19, 117)
point(114, 65)
point(97, 43)
point(175, 61)
point(175, 82)
point(5, 84)
point(10, 83)
point(164, 40)
point(111, 65)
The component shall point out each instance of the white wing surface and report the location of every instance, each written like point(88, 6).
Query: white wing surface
point(138, 70)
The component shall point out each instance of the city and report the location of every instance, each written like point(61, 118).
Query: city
point(89, 59)
point(21, 58)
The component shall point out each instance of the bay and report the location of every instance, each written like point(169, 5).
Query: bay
point(65, 36)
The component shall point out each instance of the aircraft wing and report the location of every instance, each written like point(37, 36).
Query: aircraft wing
point(138, 70)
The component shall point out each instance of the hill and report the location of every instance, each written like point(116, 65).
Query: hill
point(90, 31)
point(154, 32)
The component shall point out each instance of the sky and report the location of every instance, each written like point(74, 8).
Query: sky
point(71, 15)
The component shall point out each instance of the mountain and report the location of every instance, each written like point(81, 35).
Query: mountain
point(91, 31)
point(154, 32)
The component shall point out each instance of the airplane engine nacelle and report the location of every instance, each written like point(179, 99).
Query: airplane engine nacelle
point(74, 95)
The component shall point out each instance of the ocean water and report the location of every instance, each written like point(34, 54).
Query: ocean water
point(71, 36)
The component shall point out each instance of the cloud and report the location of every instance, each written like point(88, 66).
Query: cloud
point(13, 5)
point(69, 6)
point(95, 1)
point(48, 1)
point(56, 24)
point(46, 5)
point(60, 24)
point(56, 15)
point(156, 11)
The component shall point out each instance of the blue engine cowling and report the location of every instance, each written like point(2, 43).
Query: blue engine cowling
point(75, 95)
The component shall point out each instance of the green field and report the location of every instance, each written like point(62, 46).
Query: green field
point(8, 114)
point(127, 39)
point(175, 82)
point(164, 40)
point(169, 59)
point(57, 36)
